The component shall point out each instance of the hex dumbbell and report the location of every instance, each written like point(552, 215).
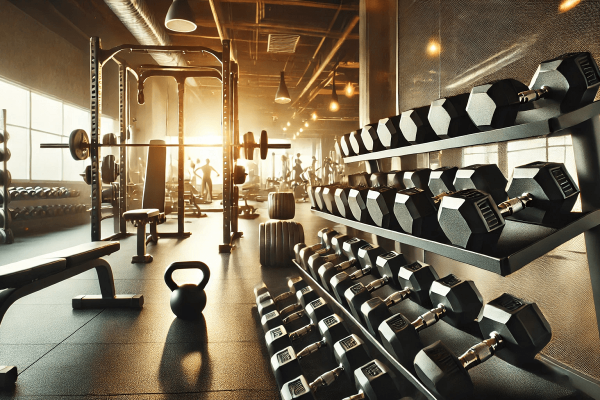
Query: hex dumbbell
point(329, 270)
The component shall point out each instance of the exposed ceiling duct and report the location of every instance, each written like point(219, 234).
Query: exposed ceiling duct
point(138, 19)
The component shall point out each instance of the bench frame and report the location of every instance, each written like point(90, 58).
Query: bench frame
point(107, 299)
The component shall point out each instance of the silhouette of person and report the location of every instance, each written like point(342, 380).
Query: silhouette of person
point(206, 179)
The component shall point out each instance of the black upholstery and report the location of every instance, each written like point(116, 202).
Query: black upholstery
point(84, 252)
point(154, 185)
point(26, 271)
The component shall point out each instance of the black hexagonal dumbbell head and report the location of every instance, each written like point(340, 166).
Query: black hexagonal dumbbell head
point(553, 189)
point(418, 178)
point(371, 139)
point(524, 329)
point(317, 310)
point(418, 277)
point(357, 201)
point(380, 204)
point(311, 196)
point(470, 219)
point(328, 194)
point(349, 353)
point(337, 243)
point(448, 117)
point(441, 180)
point(279, 338)
point(316, 260)
point(572, 79)
point(346, 146)
point(395, 179)
point(359, 293)
point(360, 179)
point(401, 337)
point(319, 193)
point(389, 264)
point(495, 105)
point(415, 126)
point(485, 177)
point(273, 319)
point(341, 201)
point(329, 270)
point(526, 332)
point(374, 381)
point(416, 213)
point(378, 179)
point(357, 143)
point(367, 256)
point(389, 133)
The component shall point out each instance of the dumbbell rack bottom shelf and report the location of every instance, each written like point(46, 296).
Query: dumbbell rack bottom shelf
point(520, 242)
point(539, 377)
point(545, 127)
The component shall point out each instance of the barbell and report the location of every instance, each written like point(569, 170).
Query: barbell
point(79, 145)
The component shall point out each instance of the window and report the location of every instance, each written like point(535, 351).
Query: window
point(34, 118)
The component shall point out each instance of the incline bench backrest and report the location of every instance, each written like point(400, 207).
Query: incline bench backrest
point(154, 186)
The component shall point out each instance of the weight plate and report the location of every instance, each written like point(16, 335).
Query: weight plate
point(272, 248)
point(279, 241)
point(79, 145)
point(268, 243)
point(4, 156)
point(264, 145)
point(5, 218)
point(293, 233)
point(10, 237)
point(5, 178)
point(301, 230)
point(261, 239)
point(286, 226)
point(109, 139)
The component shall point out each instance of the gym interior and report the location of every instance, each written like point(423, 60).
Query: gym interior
point(294, 199)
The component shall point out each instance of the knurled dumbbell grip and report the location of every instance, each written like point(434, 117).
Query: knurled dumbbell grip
point(481, 351)
point(326, 379)
point(297, 334)
point(376, 284)
point(283, 296)
point(311, 348)
point(514, 205)
point(361, 272)
point(344, 265)
point(429, 318)
point(396, 297)
point(291, 308)
point(533, 94)
point(293, 317)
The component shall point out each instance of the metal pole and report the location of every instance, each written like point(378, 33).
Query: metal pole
point(95, 113)
point(586, 146)
point(180, 159)
point(227, 153)
point(120, 226)
point(6, 227)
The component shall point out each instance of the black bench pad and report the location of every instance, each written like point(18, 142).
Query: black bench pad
point(143, 213)
point(84, 252)
point(26, 271)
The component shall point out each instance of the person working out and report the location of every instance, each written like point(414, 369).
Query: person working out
point(206, 180)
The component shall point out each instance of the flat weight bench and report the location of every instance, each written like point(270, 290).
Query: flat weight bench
point(29, 276)
point(153, 201)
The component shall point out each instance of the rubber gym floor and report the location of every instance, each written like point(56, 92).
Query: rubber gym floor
point(149, 354)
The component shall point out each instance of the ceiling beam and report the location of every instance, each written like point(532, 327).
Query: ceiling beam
point(270, 27)
point(329, 56)
point(296, 3)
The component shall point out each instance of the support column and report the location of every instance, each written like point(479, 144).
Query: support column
point(227, 149)
point(95, 113)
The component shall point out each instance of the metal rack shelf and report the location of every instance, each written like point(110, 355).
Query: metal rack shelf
point(544, 127)
point(520, 243)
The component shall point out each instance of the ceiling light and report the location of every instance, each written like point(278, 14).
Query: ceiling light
point(288, 124)
point(284, 128)
point(349, 91)
point(306, 124)
point(282, 96)
point(334, 105)
point(566, 5)
point(180, 17)
point(301, 130)
point(314, 116)
point(433, 48)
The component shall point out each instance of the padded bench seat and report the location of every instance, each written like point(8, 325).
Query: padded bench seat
point(85, 252)
point(141, 214)
point(26, 271)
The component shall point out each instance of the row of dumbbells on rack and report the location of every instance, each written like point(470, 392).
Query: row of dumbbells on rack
point(38, 192)
point(513, 328)
point(560, 85)
point(31, 212)
point(465, 206)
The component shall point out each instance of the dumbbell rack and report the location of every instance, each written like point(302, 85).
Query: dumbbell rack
point(521, 242)
point(6, 228)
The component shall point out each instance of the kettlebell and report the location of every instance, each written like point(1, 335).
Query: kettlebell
point(187, 301)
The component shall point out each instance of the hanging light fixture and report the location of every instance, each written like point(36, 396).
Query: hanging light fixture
point(334, 105)
point(282, 96)
point(314, 116)
point(180, 17)
point(349, 91)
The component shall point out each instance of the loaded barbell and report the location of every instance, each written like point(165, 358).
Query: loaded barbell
point(79, 145)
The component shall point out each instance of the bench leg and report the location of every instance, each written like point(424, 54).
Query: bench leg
point(8, 376)
point(141, 256)
point(153, 236)
point(108, 298)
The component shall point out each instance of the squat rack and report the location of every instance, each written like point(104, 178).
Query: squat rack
point(229, 78)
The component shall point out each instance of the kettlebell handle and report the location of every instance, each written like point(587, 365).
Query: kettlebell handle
point(186, 265)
